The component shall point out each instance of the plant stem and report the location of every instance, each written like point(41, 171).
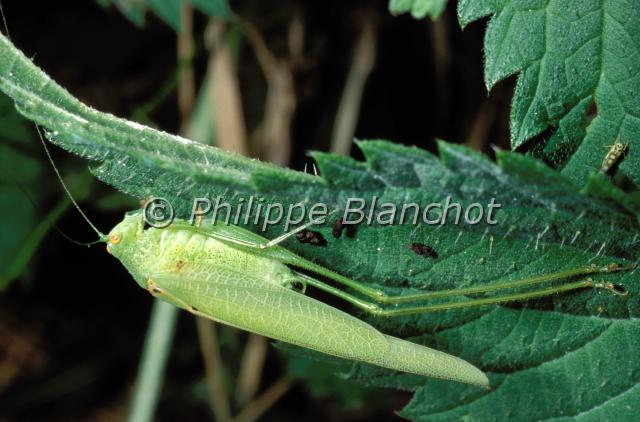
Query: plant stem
point(153, 362)
point(210, 350)
point(264, 402)
point(363, 61)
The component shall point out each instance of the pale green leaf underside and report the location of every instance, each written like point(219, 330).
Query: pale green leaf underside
point(545, 224)
point(570, 55)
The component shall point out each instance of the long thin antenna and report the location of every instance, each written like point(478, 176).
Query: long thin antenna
point(38, 207)
point(64, 186)
point(4, 21)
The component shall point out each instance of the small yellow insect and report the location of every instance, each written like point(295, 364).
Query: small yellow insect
point(616, 152)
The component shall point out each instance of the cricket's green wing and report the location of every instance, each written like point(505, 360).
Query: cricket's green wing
point(289, 316)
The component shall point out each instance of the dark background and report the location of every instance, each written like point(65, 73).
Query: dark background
point(72, 326)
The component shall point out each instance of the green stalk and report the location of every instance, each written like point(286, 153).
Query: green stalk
point(155, 354)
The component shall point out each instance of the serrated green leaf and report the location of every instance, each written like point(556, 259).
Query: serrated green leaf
point(596, 380)
point(419, 9)
point(570, 55)
point(567, 355)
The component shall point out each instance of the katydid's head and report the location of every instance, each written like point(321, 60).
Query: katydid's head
point(124, 234)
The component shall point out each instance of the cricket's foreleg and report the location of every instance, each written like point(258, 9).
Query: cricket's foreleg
point(160, 293)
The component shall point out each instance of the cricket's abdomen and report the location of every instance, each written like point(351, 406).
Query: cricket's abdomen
point(287, 315)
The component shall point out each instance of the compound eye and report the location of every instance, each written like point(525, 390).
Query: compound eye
point(115, 239)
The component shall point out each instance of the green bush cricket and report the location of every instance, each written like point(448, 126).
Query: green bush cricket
point(234, 276)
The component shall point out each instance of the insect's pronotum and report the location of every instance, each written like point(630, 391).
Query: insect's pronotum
point(615, 153)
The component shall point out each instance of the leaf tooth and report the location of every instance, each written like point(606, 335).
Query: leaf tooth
point(346, 172)
point(376, 151)
point(472, 10)
point(465, 160)
point(394, 163)
point(530, 170)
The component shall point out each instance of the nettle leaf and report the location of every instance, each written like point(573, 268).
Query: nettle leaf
point(418, 8)
point(571, 56)
point(561, 356)
point(167, 10)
